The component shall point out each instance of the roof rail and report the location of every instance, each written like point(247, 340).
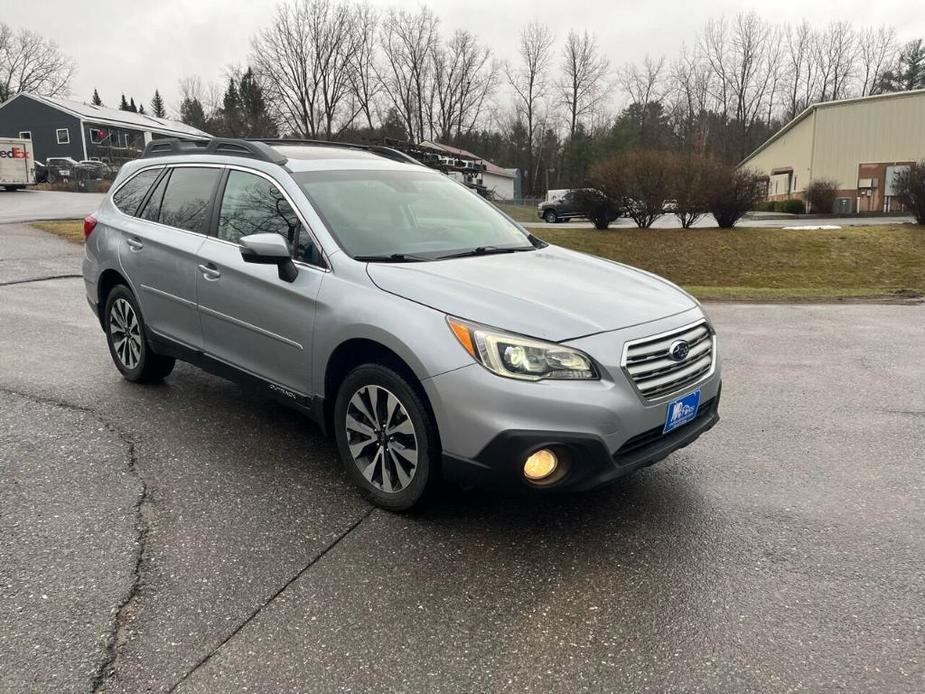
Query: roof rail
point(381, 150)
point(218, 145)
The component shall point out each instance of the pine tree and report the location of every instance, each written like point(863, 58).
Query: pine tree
point(157, 105)
point(96, 100)
point(141, 109)
point(192, 113)
point(256, 119)
point(231, 111)
point(123, 105)
point(131, 106)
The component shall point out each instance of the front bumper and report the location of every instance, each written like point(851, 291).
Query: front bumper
point(488, 424)
point(590, 463)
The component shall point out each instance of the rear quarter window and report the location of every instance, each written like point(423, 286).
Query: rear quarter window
point(129, 196)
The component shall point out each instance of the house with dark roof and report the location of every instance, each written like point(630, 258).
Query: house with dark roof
point(64, 128)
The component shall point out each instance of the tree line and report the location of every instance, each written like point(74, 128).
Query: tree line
point(335, 69)
point(338, 69)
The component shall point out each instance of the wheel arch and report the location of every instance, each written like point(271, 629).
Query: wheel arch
point(108, 279)
point(356, 351)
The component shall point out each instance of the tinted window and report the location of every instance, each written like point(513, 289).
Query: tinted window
point(253, 205)
point(152, 208)
point(187, 198)
point(129, 196)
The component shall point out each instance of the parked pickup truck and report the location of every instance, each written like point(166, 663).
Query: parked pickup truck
point(17, 164)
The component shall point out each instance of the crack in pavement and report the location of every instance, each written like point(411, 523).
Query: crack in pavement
point(353, 526)
point(106, 668)
point(43, 279)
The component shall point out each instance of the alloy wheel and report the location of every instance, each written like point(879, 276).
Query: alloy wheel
point(381, 438)
point(125, 331)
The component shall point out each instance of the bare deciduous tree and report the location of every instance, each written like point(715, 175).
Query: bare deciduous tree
point(528, 80)
point(740, 56)
point(877, 50)
point(463, 76)
point(31, 63)
point(836, 55)
point(800, 68)
point(584, 73)
point(363, 79)
point(689, 93)
point(408, 41)
point(643, 84)
point(305, 58)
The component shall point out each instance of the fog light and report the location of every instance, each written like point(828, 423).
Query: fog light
point(540, 465)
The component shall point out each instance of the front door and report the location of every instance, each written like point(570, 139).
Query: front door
point(159, 250)
point(250, 317)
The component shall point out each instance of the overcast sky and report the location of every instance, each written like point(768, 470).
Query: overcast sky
point(133, 46)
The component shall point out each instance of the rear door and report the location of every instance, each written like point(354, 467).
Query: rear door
point(160, 245)
point(250, 317)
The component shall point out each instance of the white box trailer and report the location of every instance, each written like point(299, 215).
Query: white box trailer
point(17, 163)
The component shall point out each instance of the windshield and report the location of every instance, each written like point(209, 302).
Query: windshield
point(401, 215)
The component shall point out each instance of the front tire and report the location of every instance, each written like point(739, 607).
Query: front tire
point(126, 336)
point(550, 216)
point(386, 438)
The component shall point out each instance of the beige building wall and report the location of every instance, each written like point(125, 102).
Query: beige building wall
point(885, 129)
point(834, 138)
point(791, 150)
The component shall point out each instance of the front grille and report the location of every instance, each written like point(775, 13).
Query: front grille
point(655, 374)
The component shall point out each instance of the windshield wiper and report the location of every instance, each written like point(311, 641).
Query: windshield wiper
point(485, 250)
point(392, 258)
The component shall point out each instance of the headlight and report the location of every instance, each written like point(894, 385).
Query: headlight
point(520, 357)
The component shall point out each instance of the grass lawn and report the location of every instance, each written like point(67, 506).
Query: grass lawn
point(749, 264)
point(71, 229)
point(767, 264)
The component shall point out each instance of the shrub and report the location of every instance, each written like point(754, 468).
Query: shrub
point(732, 193)
point(909, 186)
point(820, 194)
point(596, 206)
point(689, 175)
point(792, 206)
point(637, 182)
point(765, 206)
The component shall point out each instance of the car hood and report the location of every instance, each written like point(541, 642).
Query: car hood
point(550, 293)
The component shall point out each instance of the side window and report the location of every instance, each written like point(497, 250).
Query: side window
point(152, 208)
point(130, 195)
point(253, 205)
point(187, 198)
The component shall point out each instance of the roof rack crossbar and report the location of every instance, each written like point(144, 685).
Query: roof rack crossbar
point(252, 149)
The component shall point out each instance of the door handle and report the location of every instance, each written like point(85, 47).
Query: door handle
point(210, 272)
point(134, 244)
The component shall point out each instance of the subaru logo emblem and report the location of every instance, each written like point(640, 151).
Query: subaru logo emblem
point(679, 350)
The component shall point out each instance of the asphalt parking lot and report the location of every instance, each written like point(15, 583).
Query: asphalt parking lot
point(26, 205)
point(190, 536)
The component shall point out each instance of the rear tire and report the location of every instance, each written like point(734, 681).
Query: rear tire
point(550, 216)
point(386, 438)
point(126, 336)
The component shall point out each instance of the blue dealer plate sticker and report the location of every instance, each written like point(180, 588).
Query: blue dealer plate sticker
point(681, 411)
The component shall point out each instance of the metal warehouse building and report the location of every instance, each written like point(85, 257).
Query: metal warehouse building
point(859, 143)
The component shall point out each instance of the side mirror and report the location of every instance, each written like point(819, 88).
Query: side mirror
point(269, 249)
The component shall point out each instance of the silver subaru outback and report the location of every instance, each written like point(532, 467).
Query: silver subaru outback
point(432, 335)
